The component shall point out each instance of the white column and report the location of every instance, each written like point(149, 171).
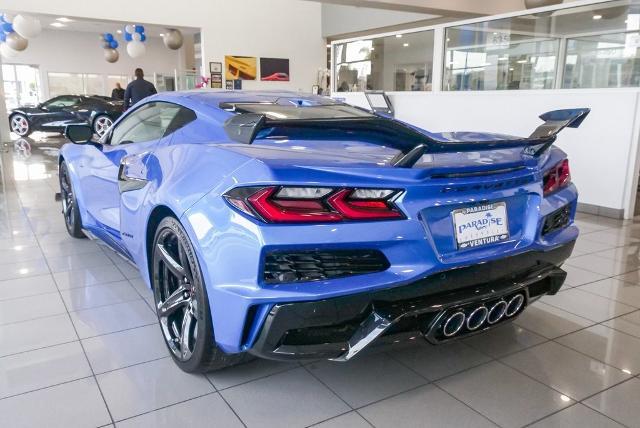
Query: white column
point(438, 59)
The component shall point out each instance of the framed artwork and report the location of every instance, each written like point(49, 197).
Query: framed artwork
point(274, 69)
point(215, 67)
point(237, 84)
point(216, 80)
point(240, 67)
point(229, 85)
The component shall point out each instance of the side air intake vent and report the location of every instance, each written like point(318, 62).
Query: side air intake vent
point(286, 266)
point(556, 220)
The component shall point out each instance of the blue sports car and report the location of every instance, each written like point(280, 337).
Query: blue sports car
point(288, 226)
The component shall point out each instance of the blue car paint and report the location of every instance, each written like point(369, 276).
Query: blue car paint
point(190, 170)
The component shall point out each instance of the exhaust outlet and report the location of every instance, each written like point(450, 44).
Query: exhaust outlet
point(476, 318)
point(453, 324)
point(514, 305)
point(497, 312)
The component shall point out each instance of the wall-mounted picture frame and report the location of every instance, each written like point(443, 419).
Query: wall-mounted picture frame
point(229, 85)
point(240, 67)
point(274, 69)
point(215, 67)
point(216, 80)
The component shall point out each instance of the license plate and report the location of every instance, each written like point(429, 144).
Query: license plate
point(481, 225)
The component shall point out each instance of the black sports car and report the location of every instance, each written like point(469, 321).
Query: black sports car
point(53, 115)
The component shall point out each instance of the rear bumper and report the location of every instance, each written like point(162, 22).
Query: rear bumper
point(338, 328)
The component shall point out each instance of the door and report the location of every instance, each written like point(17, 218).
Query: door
point(56, 113)
point(130, 140)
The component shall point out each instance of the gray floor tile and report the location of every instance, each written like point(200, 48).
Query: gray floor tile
point(348, 420)
point(605, 344)
point(504, 340)
point(366, 379)
point(615, 289)
point(577, 276)
point(420, 407)
point(436, 362)
point(34, 334)
point(149, 386)
point(633, 277)
point(76, 404)
point(628, 253)
point(603, 265)
point(77, 261)
point(629, 324)
point(125, 348)
point(615, 237)
point(504, 395)
point(129, 271)
point(26, 308)
point(290, 399)
point(112, 318)
point(77, 299)
point(207, 411)
point(587, 305)
point(620, 403)
point(32, 370)
point(565, 370)
point(19, 254)
point(549, 321)
point(577, 416)
point(24, 287)
point(243, 373)
point(23, 269)
point(584, 246)
point(87, 277)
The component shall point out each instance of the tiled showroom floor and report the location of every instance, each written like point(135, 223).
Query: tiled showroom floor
point(79, 345)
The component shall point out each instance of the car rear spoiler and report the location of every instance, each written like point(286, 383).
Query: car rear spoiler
point(412, 142)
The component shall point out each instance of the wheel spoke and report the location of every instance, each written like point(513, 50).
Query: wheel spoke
point(184, 262)
point(174, 302)
point(171, 263)
point(185, 333)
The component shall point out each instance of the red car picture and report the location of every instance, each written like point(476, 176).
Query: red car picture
point(274, 69)
point(278, 77)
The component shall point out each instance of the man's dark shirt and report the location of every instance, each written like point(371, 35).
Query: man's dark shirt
point(137, 90)
point(117, 93)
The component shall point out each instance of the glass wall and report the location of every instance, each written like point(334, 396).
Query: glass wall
point(21, 85)
point(401, 62)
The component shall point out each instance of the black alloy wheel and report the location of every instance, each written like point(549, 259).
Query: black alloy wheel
point(181, 302)
point(70, 210)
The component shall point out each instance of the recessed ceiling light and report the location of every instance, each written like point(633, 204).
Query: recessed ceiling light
point(495, 33)
point(64, 19)
point(162, 35)
point(57, 24)
point(119, 31)
point(596, 17)
point(448, 39)
point(405, 44)
point(398, 36)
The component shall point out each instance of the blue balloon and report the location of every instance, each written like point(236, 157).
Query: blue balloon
point(108, 37)
point(7, 27)
point(139, 29)
point(128, 37)
point(3, 37)
point(143, 37)
point(2, 18)
point(114, 44)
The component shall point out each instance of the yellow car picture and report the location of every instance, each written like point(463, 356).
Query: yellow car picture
point(240, 67)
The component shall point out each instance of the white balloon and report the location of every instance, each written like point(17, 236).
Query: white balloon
point(27, 26)
point(8, 17)
point(136, 49)
point(7, 52)
point(15, 42)
point(136, 37)
point(129, 28)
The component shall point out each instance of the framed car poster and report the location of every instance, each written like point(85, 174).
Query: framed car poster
point(274, 69)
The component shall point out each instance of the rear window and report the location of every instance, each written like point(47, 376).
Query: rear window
point(282, 112)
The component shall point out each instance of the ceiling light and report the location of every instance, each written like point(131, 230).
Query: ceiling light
point(162, 35)
point(503, 58)
point(596, 17)
point(57, 24)
point(64, 19)
point(327, 45)
point(565, 398)
point(495, 34)
point(119, 31)
point(398, 36)
point(372, 48)
point(522, 61)
point(510, 68)
point(405, 44)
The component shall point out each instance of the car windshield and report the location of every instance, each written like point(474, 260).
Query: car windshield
point(293, 112)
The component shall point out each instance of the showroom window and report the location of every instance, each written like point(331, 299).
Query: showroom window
point(75, 83)
point(401, 62)
point(21, 85)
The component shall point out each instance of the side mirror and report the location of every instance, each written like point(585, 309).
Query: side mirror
point(78, 134)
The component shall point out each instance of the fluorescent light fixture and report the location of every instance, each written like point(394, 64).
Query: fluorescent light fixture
point(64, 19)
point(510, 68)
point(596, 17)
point(522, 61)
point(503, 58)
point(119, 31)
point(57, 24)
point(398, 36)
point(405, 44)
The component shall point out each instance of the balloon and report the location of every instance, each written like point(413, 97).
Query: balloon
point(139, 29)
point(108, 37)
point(6, 51)
point(128, 37)
point(27, 26)
point(7, 17)
point(129, 28)
point(16, 42)
point(173, 39)
point(114, 44)
point(137, 37)
point(143, 37)
point(7, 27)
point(135, 49)
point(111, 55)
point(2, 18)
point(106, 45)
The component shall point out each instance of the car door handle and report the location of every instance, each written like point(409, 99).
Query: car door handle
point(127, 179)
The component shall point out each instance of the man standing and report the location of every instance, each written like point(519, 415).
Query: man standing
point(118, 92)
point(138, 89)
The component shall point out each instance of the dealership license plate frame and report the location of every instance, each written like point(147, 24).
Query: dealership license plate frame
point(481, 208)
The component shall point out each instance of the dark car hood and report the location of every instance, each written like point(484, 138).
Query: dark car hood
point(25, 109)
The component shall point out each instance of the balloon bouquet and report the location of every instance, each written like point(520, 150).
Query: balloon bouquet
point(15, 32)
point(134, 35)
point(110, 44)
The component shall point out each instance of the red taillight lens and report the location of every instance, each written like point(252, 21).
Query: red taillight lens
point(314, 204)
point(557, 177)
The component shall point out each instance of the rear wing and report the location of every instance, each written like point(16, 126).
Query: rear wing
point(412, 142)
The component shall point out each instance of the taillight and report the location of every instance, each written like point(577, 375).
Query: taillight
point(276, 204)
point(557, 177)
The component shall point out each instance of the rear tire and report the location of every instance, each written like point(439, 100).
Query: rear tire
point(20, 125)
point(182, 305)
point(70, 210)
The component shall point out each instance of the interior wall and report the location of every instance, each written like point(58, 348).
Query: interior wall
point(275, 28)
point(603, 151)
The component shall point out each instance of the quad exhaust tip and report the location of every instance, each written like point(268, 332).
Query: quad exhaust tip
point(514, 305)
point(477, 317)
point(496, 312)
point(453, 324)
